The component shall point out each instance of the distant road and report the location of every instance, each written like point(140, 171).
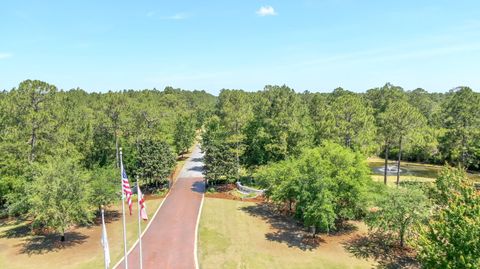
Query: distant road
point(170, 240)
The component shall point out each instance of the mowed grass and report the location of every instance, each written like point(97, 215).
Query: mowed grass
point(231, 236)
point(82, 249)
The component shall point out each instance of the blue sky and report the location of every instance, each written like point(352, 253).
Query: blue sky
point(308, 45)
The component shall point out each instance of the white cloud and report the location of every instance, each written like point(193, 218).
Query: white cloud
point(266, 11)
point(5, 55)
point(178, 16)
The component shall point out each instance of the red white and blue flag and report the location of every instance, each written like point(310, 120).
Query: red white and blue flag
point(127, 191)
point(141, 203)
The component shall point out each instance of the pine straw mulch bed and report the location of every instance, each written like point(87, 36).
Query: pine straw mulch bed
point(225, 191)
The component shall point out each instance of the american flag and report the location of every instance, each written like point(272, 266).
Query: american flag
point(127, 191)
point(141, 202)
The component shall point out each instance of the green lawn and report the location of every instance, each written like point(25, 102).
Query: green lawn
point(82, 250)
point(412, 171)
point(235, 234)
point(242, 195)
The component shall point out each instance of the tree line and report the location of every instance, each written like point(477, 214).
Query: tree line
point(59, 149)
point(309, 152)
point(251, 129)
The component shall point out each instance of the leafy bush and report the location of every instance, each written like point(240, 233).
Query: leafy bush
point(451, 237)
point(397, 212)
point(324, 186)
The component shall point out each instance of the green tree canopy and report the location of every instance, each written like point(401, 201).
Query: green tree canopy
point(354, 122)
point(184, 134)
point(398, 212)
point(398, 123)
point(450, 238)
point(461, 117)
point(234, 110)
point(220, 160)
point(105, 186)
point(327, 184)
point(280, 127)
point(155, 160)
point(60, 193)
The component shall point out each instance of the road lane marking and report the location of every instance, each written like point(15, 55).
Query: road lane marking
point(195, 251)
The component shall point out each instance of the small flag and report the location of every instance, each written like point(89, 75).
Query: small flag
point(141, 202)
point(127, 191)
point(106, 250)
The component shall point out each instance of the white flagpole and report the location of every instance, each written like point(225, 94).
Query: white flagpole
point(125, 257)
point(139, 224)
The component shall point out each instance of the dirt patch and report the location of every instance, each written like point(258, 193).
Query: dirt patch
point(375, 246)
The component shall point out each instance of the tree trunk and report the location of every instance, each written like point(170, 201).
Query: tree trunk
point(238, 163)
point(402, 240)
point(399, 159)
point(116, 148)
point(33, 140)
point(237, 157)
point(386, 164)
point(348, 140)
point(464, 154)
point(62, 239)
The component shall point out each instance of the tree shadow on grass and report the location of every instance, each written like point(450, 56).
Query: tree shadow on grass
point(110, 216)
point(377, 247)
point(18, 231)
point(344, 228)
point(41, 244)
point(288, 231)
point(10, 221)
point(35, 244)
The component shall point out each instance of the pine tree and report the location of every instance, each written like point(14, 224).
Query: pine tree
point(155, 160)
point(184, 134)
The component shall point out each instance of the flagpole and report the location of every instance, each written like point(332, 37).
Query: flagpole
point(139, 224)
point(125, 256)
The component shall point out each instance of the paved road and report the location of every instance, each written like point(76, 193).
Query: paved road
point(170, 241)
